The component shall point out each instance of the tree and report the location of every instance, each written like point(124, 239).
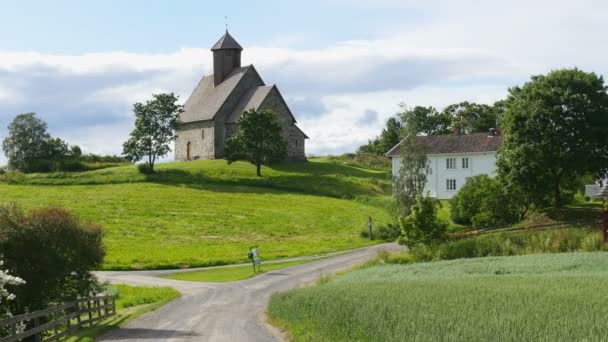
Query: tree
point(413, 173)
point(155, 124)
point(258, 140)
point(472, 117)
point(425, 120)
point(25, 143)
point(53, 251)
point(554, 131)
point(422, 225)
point(388, 138)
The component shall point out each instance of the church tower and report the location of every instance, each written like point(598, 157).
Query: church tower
point(226, 57)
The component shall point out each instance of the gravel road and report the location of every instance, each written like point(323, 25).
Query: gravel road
point(223, 311)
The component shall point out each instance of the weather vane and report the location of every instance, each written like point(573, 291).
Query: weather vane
point(226, 22)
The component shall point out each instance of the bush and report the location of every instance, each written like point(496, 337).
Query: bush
point(144, 168)
point(388, 232)
point(422, 225)
point(53, 251)
point(513, 243)
point(12, 177)
point(367, 160)
point(3, 170)
point(483, 202)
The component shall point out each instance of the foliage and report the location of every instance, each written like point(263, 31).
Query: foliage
point(536, 297)
point(389, 137)
point(483, 202)
point(144, 168)
point(54, 251)
point(155, 124)
point(258, 140)
point(472, 117)
point(425, 120)
point(421, 226)
point(554, 132)
point(7, 281)
point(26, 141)
point(213, 211)
point(505, 244)
point(413, 173)
point(364, 160)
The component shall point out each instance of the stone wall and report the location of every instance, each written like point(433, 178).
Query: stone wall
point(295, 139)
point(201, 135)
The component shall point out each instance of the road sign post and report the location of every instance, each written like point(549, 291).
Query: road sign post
point(254, 255)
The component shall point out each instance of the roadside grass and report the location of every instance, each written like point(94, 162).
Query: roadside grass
point(557, 297)
point(207, 213)
point(444, 213)
point(132, 302)
point(233, 273)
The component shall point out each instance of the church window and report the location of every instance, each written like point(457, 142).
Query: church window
point(203, 134)
point(296, 143)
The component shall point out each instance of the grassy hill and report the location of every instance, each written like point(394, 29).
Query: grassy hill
point(204, 213)
point(548, 297)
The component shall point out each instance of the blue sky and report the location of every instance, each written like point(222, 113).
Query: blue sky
point(343, 66)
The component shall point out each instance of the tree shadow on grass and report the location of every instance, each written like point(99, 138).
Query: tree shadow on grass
point(328, 185)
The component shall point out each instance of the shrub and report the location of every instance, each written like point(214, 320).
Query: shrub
point(12, 177)
point(422, 225)
point(513, 243)
point(2, 170)
point(144, 168)
point(53, 251)
point(388, 232)
point(483, 202)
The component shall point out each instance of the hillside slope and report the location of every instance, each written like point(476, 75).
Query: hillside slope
point(207, 212)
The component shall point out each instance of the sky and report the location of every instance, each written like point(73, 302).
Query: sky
point(343, 66)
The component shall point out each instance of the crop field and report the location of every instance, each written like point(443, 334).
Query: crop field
point(548, 297)
point(205, 213)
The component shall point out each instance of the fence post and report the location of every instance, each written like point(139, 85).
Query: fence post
point(98, 302)
point(90, 312)
point(36, 324)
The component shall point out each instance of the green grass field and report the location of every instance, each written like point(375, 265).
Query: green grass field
point(206, 213)
point(556, 297)
point(233, 273)
point(132, 302)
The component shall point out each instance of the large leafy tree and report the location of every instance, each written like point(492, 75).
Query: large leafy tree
point(258, 140)
point(26, 141)
point(555, 130)
point(155, 124)
point(425, 120)
point(472, 117)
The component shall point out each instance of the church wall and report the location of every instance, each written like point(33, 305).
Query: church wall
point(295, 139)
point(200, 135)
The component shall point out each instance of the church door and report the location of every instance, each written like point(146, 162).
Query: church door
point(189, 151)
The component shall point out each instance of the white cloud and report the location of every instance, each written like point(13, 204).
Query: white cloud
point(466, 50)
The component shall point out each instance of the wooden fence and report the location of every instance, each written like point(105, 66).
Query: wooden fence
point(54, 323)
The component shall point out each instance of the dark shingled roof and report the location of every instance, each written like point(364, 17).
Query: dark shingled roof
point(206, 100)
point(451, 143)
point(227, 42)
point(251, 100)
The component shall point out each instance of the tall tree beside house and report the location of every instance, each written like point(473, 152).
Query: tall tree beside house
point(258, 140)
point(26, 142)
point(389, 137)
point(425, 120)
point(470, 117)
point(554, 131)
point(413, 173)
point(155, 124)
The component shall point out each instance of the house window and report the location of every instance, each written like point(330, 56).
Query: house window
point(465, 163)
point(450, 163)
point(450, 184)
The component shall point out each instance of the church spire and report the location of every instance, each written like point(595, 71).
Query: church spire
point(226, 57)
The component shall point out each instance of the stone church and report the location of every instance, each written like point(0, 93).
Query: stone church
point(212, 111)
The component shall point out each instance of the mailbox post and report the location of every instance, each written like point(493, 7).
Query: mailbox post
point(254, 255)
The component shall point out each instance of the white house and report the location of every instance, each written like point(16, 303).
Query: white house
point(453, 159)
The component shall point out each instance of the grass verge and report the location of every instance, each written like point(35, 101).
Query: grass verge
point(233, 273)
point(132, 302)
point(557, 297)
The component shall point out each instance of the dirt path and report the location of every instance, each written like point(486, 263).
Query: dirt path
point(223, 311)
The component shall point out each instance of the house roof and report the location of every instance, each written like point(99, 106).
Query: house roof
point(227, 42)
point(206, 99)
point(251, 100)
point(451, 143)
